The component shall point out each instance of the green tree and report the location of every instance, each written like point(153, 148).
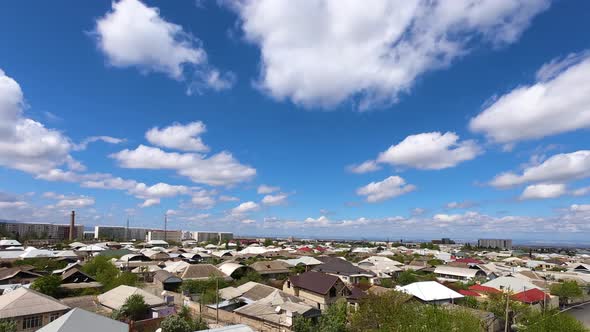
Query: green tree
point(48, 285)
point(566, 290)
point(334, 318)
point(396, 312)
point(7, 326)
point(175, 323)
point(302, 324)
point(435, 262)
point(268, 242)
point(105, 272)
point(549, 321)
point(135, 307)
point(406, 278)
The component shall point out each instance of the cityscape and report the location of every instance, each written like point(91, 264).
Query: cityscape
point(295, 166)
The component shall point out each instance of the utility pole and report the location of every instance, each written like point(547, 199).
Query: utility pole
point(217, 300)
point(507, 306)
point(165, 226)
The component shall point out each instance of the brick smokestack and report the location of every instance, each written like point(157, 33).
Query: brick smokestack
point(72, 223)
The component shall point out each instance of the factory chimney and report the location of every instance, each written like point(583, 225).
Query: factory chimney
point(72, 222)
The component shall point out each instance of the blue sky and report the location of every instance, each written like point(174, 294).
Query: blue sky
point(468, 119)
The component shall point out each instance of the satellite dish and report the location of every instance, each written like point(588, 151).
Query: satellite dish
point(278, 309)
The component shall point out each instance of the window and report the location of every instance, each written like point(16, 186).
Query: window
point(332, 292)
point(288, 284)
point(54, 316)
point(30, 322)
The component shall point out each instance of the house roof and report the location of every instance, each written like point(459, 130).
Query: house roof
point(429, 291)
point(483, 289)
point(531, 296)
point(340, 266)
point(201, 271)
point(316, 282)
point(81, 320)
point(468, 260)
point(10, 243)
point(512, 283)
point(229, 268)
point(269, 267)
point(11, 272)
point(466, 292)
point(303, 260)
point(73, 271)
point(115, 298)
point(275, 306)
point(164, 276)
point(24, 301)
point(456, 271)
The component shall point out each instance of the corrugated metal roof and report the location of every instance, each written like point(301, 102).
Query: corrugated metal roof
point(24, 302)
point(77, 320)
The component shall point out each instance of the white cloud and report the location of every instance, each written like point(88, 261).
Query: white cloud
point(374, 52)
point(78, 202)
point(150, 202)
point(219, 169)
point(178, 136)
point(26, 144)
point(558, 102)
point(558, 168)
point(447, 217)
point(430, 151)
point(158, 190)
point(580, 207)
point(365, 167)
point(581, 191)
point(203, 199)
point(248, 221)
point(13, 205)
point(390, 187)
point(225, 198)
point(278, 199)
point(543, 191)
point(459, 205)
point(135, 35)
point(245, 207)
point(264, 189)
point(107, 139)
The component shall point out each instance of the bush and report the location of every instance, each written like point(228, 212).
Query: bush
point(135, 307)
point(175, 324)
point(7, 326)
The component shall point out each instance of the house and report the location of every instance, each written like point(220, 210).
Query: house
point(166, 280)
point(344, 270)
point(532, 296)
point(30, 309)
point(316, 288)
point(246, 293)
point(271, 269)
point(383, 267)
point(430, 292)
point(234, 270)
point(116, 297)
point(77, 320)
point(541, 265)
point(76, 279)
point(9, 243)
point(17, 275)
point(510, 283)
point(307, 261)
point(451, 273)
point(202, 272)
point(277, 310)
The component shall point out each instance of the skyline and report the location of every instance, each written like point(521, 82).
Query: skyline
point(414, 120)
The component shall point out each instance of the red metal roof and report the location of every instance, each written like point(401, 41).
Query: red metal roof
point(305, 249)
point(466, 292)
point(533, 295)
point(483, 289)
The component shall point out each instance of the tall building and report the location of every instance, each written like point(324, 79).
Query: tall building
point(23, 230)
point(120, 233)
point(503, 244)
point(155, 234)
point(218, 237)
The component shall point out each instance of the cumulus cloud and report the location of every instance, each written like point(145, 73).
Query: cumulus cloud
point(135, 35)
point(369, 52)
point(392, 186)
point(219, 169)
point(364, 167)
point(150, 202)
point(265, 189)
point(72, 202)
point(558, 168)
point(179, 137)
point(580, 207)
point(107, 139)
point(581, 191)
point(543, 191)
point(26, 144)
point(277, 199)
point(460, 205)
point(558, 102)
point(427, 151)
point(245, 207)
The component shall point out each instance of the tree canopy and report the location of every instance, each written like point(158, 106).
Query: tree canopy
point(48, 285)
